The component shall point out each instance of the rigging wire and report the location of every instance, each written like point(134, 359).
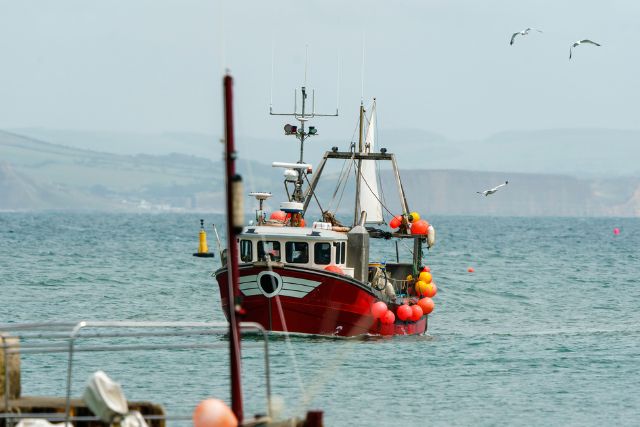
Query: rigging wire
point(313, 193)
point(289, 346)
point(374, 194)
point(345, 184)
point(340, 177)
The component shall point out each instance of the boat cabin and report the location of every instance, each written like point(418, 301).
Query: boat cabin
point(296, 246)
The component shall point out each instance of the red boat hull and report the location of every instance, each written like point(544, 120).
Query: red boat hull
point(308, 301)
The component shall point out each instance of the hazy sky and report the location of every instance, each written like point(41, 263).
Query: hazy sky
point(443, 66)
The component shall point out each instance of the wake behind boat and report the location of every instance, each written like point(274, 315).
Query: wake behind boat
point(319, 279)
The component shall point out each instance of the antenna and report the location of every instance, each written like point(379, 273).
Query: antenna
point(223, 54)
point(273, 49)
point(306, 63)
point(338, 85)
point(362, 67)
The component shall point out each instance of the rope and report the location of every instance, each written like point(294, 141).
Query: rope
point(314, 193)
point(292, 354)
point(374, 194)
point(344, 186)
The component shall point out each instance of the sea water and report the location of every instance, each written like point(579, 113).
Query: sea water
point(545, 331)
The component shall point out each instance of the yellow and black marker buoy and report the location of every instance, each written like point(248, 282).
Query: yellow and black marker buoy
point(203, 249)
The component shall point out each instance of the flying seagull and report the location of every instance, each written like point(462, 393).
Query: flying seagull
point(493, 190)
point(579, 42)
point(522, 33)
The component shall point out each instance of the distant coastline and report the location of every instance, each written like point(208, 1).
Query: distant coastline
point(36, 175)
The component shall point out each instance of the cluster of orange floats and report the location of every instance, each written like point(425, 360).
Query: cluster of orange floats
point(413, 309)
point(412, 223)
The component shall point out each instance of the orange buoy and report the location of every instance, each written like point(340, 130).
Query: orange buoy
point(420, 227)
point(426, 268)
point(213, 413)
point(404, 312)
point(388, 318)
point(421, 288)
point(278, 216)
point(431, 290)
point(425, 276)
point(396, 221)
point(379, 309)
point(334, 269)
point(426, 304)
point(416, 313)
point(470, 270)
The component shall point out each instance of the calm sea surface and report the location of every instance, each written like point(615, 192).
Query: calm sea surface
point(546, 331)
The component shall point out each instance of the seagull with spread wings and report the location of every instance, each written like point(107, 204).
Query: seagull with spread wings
point(579, 42)
point(493, 190)
point(522, 33)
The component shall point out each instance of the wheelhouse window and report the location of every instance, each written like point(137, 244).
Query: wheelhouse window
point(322, 253)
point(246, 251)
point(297, 252)
point(340, 252)
point(269, 249)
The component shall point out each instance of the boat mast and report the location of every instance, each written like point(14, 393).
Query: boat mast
point(235, 213)
point(297, 192)
point(356, 213)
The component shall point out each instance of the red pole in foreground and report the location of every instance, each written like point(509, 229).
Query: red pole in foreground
point(234, 226)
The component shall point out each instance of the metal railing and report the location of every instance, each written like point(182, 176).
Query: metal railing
point(65, 337)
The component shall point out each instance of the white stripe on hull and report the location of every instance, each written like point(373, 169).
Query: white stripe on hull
point(294, 287)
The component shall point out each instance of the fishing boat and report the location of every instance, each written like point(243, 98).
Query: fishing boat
point(315, 276)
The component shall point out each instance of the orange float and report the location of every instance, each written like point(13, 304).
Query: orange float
point(431, 290)
point(420, 227)
point(278, 216)
point(379, 309)
point(388, 318)
point(425, 276)
point(213, 413)
point(421, 288)
point(334, 269)
point(416, 313)
point(396, 221)
point(404, 312)
point(426, 304)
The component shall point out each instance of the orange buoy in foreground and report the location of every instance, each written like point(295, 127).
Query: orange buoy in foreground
point(426, 304)
point(213, 413)
point(426, 268)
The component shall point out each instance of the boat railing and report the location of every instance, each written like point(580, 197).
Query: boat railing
point(70, 337)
